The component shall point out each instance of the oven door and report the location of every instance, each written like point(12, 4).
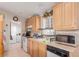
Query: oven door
point(50, 54)
point(56, 52)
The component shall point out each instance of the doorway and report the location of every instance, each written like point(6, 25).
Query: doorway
point(15, 33)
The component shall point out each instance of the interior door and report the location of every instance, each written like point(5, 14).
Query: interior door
point(1, 35)
point(15, 32)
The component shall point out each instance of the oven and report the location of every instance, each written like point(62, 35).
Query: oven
point(56, 52)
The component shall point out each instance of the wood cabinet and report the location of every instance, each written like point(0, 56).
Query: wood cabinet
point(38, 23)
point(42, 50)
point(26, 24)
point(29, 47)
point(36, 49)
point(57, 17)
point(70, 19)
point(34, 21)
point(65, 16)
point(1, 36)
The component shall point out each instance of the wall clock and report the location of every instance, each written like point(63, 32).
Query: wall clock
point(15, 18)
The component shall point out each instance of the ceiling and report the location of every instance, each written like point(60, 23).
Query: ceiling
point(26, 9)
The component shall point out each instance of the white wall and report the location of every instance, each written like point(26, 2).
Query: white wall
point(7, 18)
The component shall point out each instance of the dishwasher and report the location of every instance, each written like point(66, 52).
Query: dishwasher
point(56, 52)
point(24, 43)
point(50, 54)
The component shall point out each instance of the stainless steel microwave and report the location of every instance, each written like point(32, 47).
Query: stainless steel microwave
point(66, 38)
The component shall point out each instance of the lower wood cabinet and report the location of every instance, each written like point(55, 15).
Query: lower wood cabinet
point(42, 50)
point(29, 47)
point(36, 49)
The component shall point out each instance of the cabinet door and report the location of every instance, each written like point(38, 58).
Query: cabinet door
point(70, 16)
point(26, 24)
point(28, 46)
point(67, 14)
point(75, 13)
point(35, 48)
point(57, 18)
point(33, 24)
point(42, 50)
point(1, 36)
point(43, 22)
point(38, 23)
point(30, 51)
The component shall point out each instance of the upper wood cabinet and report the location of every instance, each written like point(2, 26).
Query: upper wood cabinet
point(38, 23)
point(57, 17)
point(34, 21)
point(65, 16)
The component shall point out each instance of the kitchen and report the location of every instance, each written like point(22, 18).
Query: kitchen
point(54, 34)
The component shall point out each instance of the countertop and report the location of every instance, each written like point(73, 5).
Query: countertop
point(57, 45)
point(62, 46)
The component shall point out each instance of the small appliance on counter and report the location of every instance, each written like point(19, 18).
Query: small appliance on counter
point(29, 31)
point(28, 34)
point(66, 40)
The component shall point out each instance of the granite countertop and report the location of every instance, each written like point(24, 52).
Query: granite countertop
point(57, 45)
point(62, 46)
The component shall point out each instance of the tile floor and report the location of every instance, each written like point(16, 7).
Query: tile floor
point(15, 51)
